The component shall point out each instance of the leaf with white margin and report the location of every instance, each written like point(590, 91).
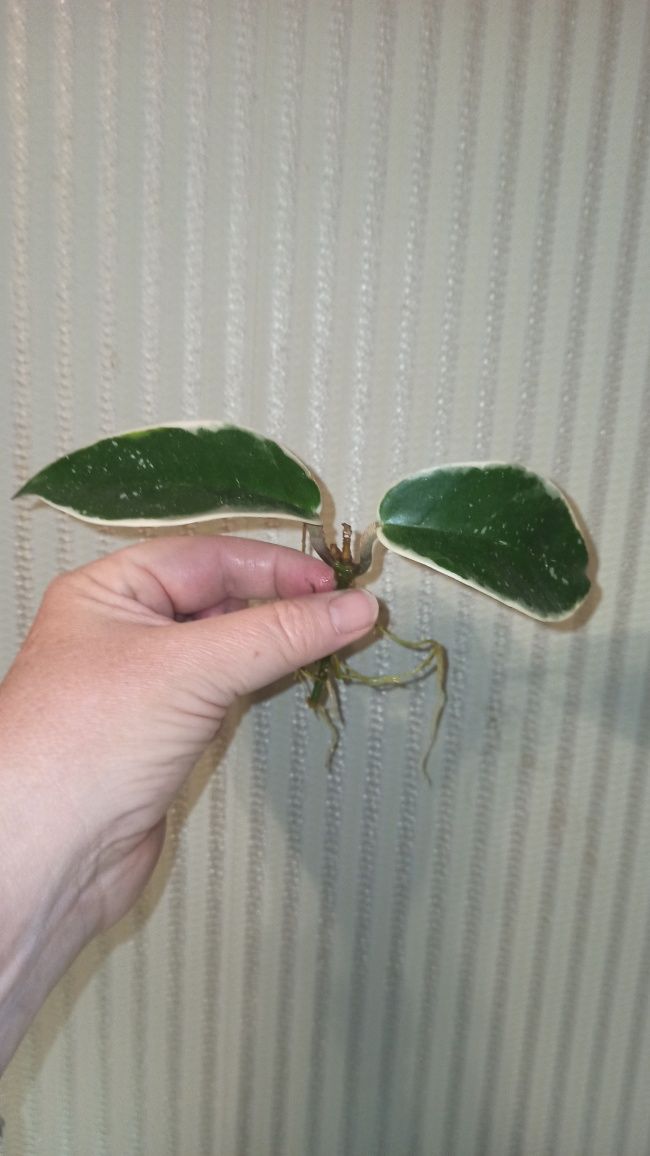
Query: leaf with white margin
point(497, 527)
point(178, 474)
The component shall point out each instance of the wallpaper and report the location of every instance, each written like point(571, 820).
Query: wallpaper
point(392, 234)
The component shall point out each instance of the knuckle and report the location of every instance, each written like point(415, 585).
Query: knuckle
point(293, 627)
point(58, 588)
point(63, 592)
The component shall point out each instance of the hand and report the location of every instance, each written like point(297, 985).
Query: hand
point(123, 680)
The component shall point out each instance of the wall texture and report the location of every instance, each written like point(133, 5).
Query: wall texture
point(392, 234)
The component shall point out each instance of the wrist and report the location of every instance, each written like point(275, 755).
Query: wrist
point(45, 913)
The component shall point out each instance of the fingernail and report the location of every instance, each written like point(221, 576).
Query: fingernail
point(352, 610)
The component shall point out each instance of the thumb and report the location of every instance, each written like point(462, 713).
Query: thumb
point(261, 644)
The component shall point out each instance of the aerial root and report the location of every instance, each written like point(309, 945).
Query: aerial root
point(322, 683)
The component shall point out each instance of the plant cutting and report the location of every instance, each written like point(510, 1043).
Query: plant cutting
point(494, 526)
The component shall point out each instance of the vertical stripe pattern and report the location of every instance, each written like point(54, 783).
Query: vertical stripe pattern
point(390, 235)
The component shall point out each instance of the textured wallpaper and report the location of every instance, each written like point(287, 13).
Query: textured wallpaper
point(392, 235)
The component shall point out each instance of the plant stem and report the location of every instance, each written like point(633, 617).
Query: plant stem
point(345, 571)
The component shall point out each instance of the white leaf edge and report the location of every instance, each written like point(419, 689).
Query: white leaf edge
point(551, 488)
point(187, 520)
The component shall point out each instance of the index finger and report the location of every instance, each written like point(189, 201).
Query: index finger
point(180, 575)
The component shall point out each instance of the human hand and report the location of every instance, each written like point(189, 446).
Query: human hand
point(123, 680)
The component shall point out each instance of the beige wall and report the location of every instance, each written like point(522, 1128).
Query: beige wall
point(393, 235)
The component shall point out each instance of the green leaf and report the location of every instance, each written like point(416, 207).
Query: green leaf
point(173, 474)
point(499, 528)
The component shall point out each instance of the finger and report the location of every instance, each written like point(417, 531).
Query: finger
point(247, 650)
point(188, 575)
point(226, 607)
